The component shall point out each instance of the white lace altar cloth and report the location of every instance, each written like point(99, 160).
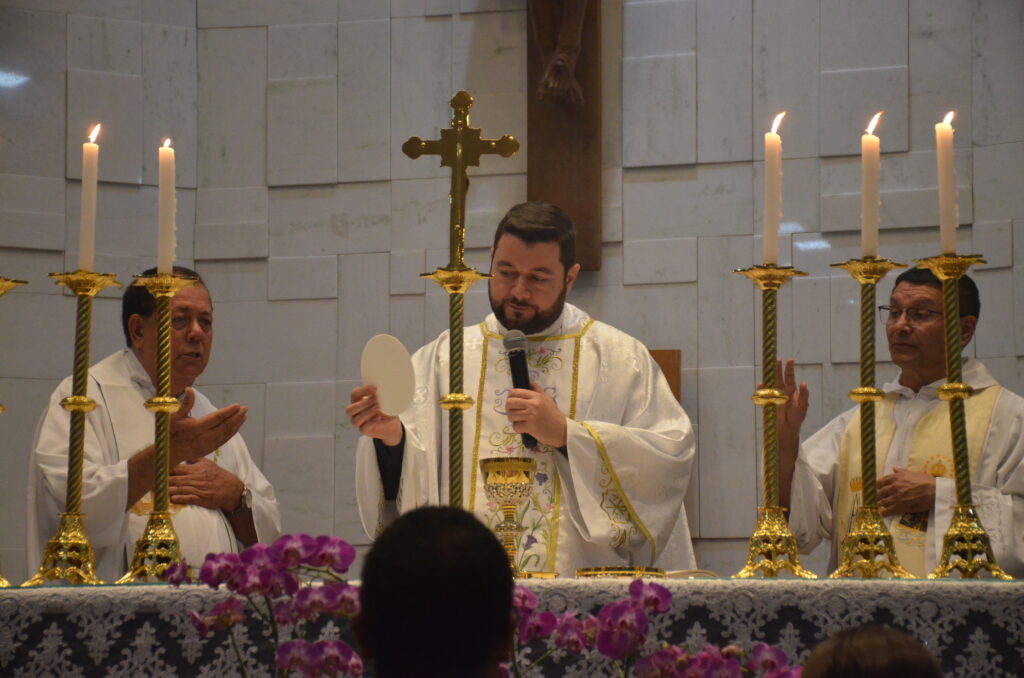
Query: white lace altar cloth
point(976, 628)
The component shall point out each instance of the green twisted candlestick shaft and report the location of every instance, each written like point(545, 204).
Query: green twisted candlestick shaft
point(867, 409)
point(769, 353)
point(79, 386)
point(957, 418)
point(456, 312)
point(163, 390)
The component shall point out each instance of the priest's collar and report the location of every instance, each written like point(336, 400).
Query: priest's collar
point(975, 375)
point(570, 321)
point(137, 373)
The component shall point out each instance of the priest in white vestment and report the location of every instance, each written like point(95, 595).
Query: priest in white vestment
point(916, 486)
point(219, 498)
point(615, 447)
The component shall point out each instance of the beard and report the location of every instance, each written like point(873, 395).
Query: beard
point(528, 323)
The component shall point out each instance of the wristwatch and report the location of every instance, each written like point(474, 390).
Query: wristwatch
point(244, 503)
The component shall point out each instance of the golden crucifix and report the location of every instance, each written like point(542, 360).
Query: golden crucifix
point(460, 147)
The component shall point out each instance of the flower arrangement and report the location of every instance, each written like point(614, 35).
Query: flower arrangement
point(286, 586)
point(619, 633)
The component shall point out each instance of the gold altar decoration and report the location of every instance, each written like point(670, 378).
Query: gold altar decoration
point(966, 547)
point(620, 573)
point(867, 550)
point(68, 555)
point(7, 284)
point(158, 546)
point(460, 147)
point(508, 481)
point(772, 546)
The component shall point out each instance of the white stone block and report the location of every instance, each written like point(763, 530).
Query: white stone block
point(997, 191)
point(845, 111)
point(302, 278)
point(330, 219)
point(231, 241)
point(362, 10)
point(406, 322)
point(41, 349)
point(405, 268)
point(659, 261)
point(810, 300)
point(659, 110)
point(726, 456)
point(786, 75)
point(364, 101)
point(169, 100)
point(994, 240)
point(115, 100)
point(1018, 318)
point(844, 329)
point(171, 12)
point(32, 266)
point(232, 107)
point(362, 307)
point(251, 396)
point(296, 409)
point(257, 331)
point(688, 201)
point(106, 45)
point(126, 218)
point(800, 197)
point(32, 212)
point(232, 205)
point(611, 89)
point(111, 9)
point(489, 198)
point(490, 5)
point(940, 69)
point(837, 380)
point(726, 309)
point(610, 274)
point(302, 12)
point(863, 34)
point(233, 13)
point(421, 56)
point(235, 280)
point(302, 129)
point(992, 338)
point(659, 28)
point(32, 128)
point(346, 511)
point(611, 205)
point(725, 52)
point(302, 52)
point(1018, 242)
point(998, 92)
point(301, 469)
point(417, 8)
point(420, 213)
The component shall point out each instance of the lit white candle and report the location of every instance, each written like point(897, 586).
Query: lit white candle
point(87, 218)
point(949, 214)
point(772, 191)
point(166, 210)
point(870, 167)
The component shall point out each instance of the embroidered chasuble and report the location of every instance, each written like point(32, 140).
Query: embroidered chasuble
point(615, 499)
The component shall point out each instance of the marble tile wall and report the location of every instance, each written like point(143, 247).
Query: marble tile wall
point(311, 227)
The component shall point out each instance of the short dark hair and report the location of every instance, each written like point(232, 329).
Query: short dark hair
point(871, 651)
point(970, 300)
point(138, 301)
point(535, 222)
point(436, 596)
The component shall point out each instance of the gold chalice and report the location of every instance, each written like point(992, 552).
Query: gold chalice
point(508, 481)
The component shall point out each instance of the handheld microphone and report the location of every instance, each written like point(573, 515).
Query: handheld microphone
point(515, 347)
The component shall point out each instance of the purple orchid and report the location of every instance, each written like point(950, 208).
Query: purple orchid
point(767, 658)
point(540, 625)
point(199, 622)
point(298, 655)
point(665, 663)
point(524, 601)
point(259, 556)
point(218, 568)
point(653, 597)
point(336, 657)
point(177, 573)
point(292, 550)
point(786, 673)
point(569, 633)
point(227, 613)
point(621, 629)
point(332, 552)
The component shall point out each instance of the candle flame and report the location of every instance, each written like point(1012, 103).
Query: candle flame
point(949, 118)
point(778, 121)
point(94, 133)
point(874, 121)
point(167, 142)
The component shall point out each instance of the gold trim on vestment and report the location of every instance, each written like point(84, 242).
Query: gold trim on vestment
point(618, 486)
point(554, 337)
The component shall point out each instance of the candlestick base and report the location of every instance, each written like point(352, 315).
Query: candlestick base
point(769, 276)
point(68, 555)
point(966, 548)
point(772, 548)
point(156, 549)
point(868, 549)
point(455, 279)
point(950, 266)
point(869, 270)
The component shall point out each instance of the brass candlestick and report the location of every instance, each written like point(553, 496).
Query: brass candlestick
point(68, 555)
point(772, 546)
point(460, 147)
point(509, 481)
point(158, 546)
point(868, 549)
point(7, 284)
point(966, 546)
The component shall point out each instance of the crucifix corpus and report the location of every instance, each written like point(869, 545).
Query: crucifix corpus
point(460, 147)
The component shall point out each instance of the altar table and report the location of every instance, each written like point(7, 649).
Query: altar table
point(976, 628)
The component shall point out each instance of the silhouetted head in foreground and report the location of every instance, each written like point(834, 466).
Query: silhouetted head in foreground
point(871, 652)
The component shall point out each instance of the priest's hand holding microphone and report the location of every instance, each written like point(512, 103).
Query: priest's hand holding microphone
point(533, 412)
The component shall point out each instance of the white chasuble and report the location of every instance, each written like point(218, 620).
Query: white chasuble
point(616, 498)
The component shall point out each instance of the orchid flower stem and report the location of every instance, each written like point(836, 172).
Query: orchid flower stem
point(238, 653)
point(539, 660)
point(273, 621)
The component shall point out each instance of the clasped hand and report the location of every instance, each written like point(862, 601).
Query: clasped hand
point(533, 411)
point(203, 483)
point(905, 491)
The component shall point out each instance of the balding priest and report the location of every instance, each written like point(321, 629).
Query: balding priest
point(614, 448)
point(219, 498)
point(916, 487)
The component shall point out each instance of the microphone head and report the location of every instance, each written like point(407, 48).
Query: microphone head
point(514, 341)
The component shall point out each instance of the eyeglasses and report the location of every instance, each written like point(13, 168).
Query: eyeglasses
point(915, 316)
